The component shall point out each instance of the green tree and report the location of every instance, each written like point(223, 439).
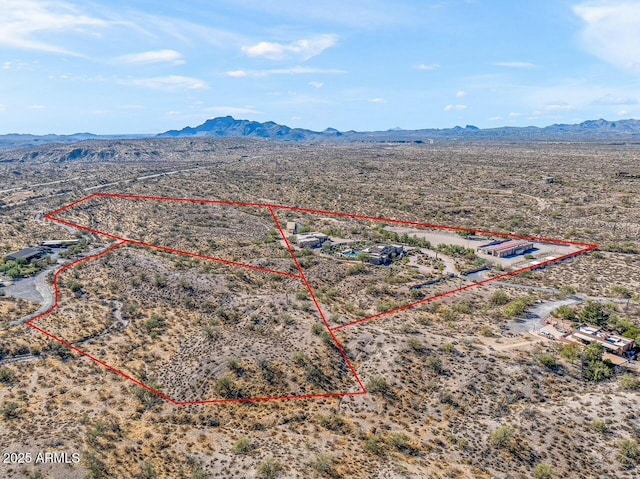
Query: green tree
point(571, 352)
point(595, 313)
point(593, 352)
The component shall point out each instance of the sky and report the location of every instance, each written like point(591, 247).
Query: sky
point(143, 66)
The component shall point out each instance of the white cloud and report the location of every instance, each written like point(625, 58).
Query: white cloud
point(152, 57)
point(517, 65)
point(496, 118)
point(378, 100)
point(231, 110)
point(22, 22)
point(174, 113)
point(316, 84)
point(2, 108)
point(623, 112)
point(515, 115)
point(428, 68)
point(37, 107)
point(237, 74)
point(456, 108)
point(556, 107)
point(169, 83)
point(461, 94)
point(611, 31)
point(302, 49)
point(282, 71)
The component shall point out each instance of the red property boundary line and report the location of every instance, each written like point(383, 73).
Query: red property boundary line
point(273, 209)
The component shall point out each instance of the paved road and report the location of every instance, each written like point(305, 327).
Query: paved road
point(36, 290)
point(38, 287)
point(538, 314)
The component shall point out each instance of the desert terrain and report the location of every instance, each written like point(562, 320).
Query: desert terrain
point(460, 387)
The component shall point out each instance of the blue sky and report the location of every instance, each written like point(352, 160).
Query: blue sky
point(145, 66)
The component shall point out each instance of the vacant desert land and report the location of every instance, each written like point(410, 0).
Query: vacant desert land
point(454, 389)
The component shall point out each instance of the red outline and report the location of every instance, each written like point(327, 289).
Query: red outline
point(585, 248)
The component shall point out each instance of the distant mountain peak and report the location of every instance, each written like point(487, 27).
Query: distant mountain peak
point(229, 127)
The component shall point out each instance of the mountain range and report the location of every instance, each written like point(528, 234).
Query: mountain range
point(626, 131)
point(592, 130)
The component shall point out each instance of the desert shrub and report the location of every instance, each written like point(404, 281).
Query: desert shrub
point(155, 325)
point(7, 376)
point(74, 286)
point(212, 332)
point(147, 398)
point(236, 367)
point(566, 291)
point(629, 383)
point(629, 453)
point(600, 426)
point(267, 371)
point(571, 352)
point(463, 308)
point(374, 445)
point(300, 359)
point(548, 361)
point(597, 371)
point(565, 312)
point(325, 465)
point(10, 410)
point(378, 385)
point(243, 446)
point(500, 298)
point(384, 306)
point(95, 467)
point(416, 345)
point(357, 269)
point(201, 474)
point(226, 388)
point(448, 348)
point(269, 469)
point(518, 307)
point(503, 437)
point(544, 471)
point(487, 331)
point(148, 471)
point(333, 422)
point(399, 441)
point(595, 313)
point(435, 364)
point(593, 352)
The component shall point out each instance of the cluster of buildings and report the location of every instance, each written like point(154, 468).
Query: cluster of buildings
point(310, 240)
point(376, 255)
point(612, 343)
point(29, 255)
point(507, 248)
point(384, 254)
